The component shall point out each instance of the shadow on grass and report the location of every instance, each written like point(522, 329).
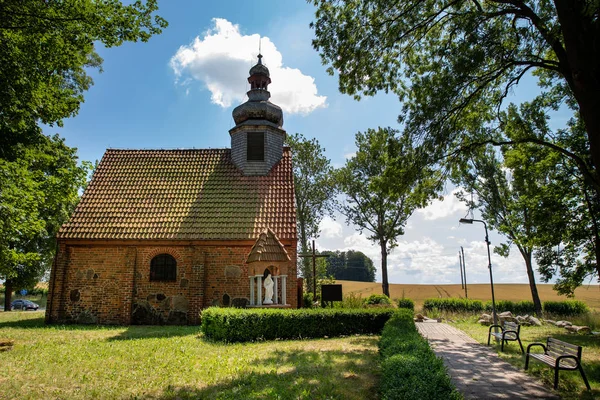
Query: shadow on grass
point(571, 384)
point(24, 323)
point(135, 332)
point(296, 375)
point(129, 333)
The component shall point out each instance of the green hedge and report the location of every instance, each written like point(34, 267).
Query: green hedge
point(516, 307)
point(453, 305)
point(410, 369)
point(378, 299)
point(244, 325)
point(406, 303)
point(566, 308)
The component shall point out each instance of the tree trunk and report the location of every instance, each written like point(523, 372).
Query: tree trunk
point(8, 288)
point(537, 304)
point(581, 70)
point(306, 271)
point(385, 285)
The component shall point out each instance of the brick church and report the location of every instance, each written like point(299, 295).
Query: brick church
point(160, 234)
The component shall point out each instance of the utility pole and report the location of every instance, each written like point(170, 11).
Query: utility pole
point(464, 271)
point(314, 256)
point(462, 282)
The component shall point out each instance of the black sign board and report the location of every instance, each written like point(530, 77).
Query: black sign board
point(331, 292)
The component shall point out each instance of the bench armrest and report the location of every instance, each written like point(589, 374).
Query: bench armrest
point(536, 344)
point(558, 359)
point(510, 331)
point(495, 326)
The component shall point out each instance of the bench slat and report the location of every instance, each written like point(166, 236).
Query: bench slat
point(551, 361)
point(556, 342)
point(555, 349)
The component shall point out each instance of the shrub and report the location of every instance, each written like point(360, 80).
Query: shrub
point(378, 299)
point(243, 325)
point(351, 300)
point(453, 305)
point(516, 307)
point(307, 300)
point(406, 303)
point(568, 308)
point(565, 308)
point(410, 369)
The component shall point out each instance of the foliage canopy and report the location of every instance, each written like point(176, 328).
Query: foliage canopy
point(47, 49)
point(453, 62)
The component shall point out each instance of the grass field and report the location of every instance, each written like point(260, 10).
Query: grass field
point(590, 294)
point(571, 385)
point(160, 362)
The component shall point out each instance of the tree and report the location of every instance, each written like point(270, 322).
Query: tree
point(38, 192)
point(384, 183)
point(570, 243)
point(453, 62)
point(536, 197)
point(314, 189)
point(511, 187)
point(351, 266)
point(47, 47)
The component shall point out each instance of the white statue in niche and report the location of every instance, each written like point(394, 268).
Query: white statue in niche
point(268, 284)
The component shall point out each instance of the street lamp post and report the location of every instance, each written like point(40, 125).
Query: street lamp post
point(487, 241)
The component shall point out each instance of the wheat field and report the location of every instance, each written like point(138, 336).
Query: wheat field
point(590, 294)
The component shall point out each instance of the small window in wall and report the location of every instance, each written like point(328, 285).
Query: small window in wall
point(256, 146)
point(163, 268)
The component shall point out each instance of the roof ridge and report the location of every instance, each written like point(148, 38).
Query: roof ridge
point(166, 149)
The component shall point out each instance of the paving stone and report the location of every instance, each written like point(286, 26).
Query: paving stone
point(476, 370)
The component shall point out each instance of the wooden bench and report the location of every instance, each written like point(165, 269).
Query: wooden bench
point(559, 355)
point(509, 332)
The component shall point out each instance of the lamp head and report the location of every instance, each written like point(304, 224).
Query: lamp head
point(466, 220)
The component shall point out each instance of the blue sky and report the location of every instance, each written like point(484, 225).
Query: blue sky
point(178, 91)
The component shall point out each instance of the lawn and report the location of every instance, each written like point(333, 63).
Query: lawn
point(571, 385)
point(157, 362)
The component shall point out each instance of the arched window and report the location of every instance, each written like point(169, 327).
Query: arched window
point(163, 268)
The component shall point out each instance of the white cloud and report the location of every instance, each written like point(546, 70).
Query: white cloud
point(449, 206)
point(221, 60)
point(330, 228)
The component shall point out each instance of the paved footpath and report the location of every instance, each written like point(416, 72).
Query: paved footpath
point(477, 370)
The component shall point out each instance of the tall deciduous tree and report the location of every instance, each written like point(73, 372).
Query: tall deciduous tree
point(384, 184)
point(570, 243)
point(453, 62)
point(350, 266)
point(46, 49)
point(38, 192)
point(315, 191)
point(511, 187)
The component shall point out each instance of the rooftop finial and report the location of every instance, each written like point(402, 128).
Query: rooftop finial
point(259, 51)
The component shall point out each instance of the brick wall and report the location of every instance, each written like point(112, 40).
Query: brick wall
point(107, 284)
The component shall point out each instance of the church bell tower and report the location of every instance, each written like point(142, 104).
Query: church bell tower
point(257, 137)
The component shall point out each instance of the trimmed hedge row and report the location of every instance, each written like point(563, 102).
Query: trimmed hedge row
point(517, 307)
point(410, 369)
point(453, 305)
point(244, 325)
point(567, 308)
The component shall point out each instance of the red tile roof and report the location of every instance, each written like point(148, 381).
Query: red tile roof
point(268, 248)
point(183, 194)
